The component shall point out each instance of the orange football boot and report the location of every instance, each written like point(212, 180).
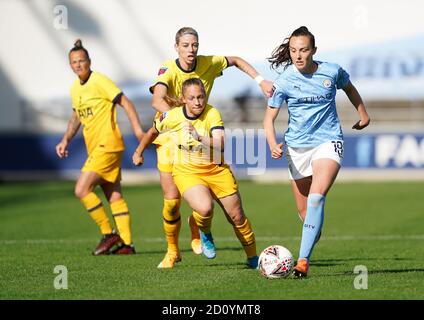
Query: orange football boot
point(301, 268)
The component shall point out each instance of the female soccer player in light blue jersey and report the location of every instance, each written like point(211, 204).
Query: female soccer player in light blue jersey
point(314, 137)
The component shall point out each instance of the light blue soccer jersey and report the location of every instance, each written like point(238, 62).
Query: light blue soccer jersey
point(311, 104)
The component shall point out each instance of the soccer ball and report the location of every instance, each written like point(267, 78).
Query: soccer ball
point(275, 262)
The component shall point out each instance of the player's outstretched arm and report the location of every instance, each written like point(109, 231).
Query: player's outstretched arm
point(132, 115)
point(356, 100)
point(73, 126)
point(243, 65)
point(160, 100)
point(147, 139)
point(268, 123)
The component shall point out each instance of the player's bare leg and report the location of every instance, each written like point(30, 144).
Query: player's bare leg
point(300, 190)
point(324, 174)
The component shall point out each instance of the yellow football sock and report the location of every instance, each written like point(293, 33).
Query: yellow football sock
point(204, 223)
point(246, 236)
point(195, 230)
point(94, 206)
point(171, 222)
point(121, 215)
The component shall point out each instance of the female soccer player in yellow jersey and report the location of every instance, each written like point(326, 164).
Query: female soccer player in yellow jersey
point(166, 91)
point(94, 97)
point(196, 131)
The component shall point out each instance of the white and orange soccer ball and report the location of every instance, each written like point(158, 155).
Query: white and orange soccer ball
point(275, 262)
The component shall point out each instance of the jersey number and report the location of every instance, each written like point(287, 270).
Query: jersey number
point(338, 148)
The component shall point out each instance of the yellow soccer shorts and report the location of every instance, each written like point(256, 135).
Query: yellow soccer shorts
point(106, 164)
point(220, 181)
point(164, 155)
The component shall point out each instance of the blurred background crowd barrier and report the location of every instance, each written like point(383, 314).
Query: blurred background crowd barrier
point(381, 45)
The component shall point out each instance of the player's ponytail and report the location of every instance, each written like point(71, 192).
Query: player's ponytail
point(173, 102)
point(176, 102)
point(78, 46)
point(78, 43)
point(281, 55)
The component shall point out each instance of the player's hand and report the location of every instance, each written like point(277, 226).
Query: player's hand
point(192, 131)
point(361, 124)
point(137, 159)
point(277, 151)
point(61, 149)
point(267, 88)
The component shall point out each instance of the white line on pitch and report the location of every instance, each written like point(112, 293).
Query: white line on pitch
point(293, 238)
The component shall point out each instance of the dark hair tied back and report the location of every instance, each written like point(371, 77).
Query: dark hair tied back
point(281, 55)
point(78, 43)
point(78, 46)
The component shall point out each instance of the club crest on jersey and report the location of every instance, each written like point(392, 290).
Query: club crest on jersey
point(327, 83)
point(162, 70)
point(162, 116)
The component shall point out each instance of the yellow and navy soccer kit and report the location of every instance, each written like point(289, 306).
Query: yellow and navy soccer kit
point(171, 75)
point(94, 103)
point(193, 162)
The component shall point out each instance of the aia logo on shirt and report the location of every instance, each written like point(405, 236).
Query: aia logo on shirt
point(85, 113)
point(162, 70)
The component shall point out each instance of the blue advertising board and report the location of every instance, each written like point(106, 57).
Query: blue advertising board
point(244, 150)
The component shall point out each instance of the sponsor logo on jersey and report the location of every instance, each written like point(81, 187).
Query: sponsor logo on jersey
point(162, 70)
point(315, 99)
point(85, 113)
point(190, 148)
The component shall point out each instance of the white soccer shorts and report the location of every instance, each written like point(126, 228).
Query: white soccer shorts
point(300, 159)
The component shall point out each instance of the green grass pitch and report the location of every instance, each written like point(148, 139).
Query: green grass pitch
point(376, 225)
